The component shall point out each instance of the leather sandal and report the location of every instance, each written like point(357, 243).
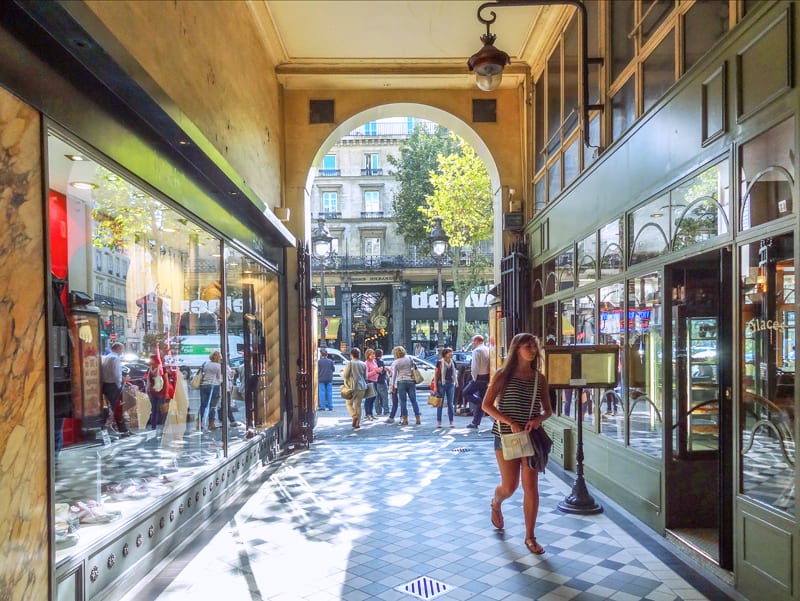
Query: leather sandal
point(533, 546)
point(497, 515)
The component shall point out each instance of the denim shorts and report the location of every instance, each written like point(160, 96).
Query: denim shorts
point(498, 446)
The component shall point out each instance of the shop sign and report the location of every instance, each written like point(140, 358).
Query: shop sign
point(428, 300)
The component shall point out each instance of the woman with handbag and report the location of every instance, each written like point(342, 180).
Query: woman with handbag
point(355, 377)
point(405, 384)
point(444, 382)
point(519, 401)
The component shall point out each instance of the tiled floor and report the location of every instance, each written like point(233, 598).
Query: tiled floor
point(390, 512)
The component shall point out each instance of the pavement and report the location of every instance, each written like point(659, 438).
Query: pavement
point(402, 512)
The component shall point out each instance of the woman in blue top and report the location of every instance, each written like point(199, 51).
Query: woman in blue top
point(518, 399)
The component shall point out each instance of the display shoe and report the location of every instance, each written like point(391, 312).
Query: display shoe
point(66, 539)
point(92, 512)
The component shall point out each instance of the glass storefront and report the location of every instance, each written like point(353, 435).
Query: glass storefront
point(190, 324)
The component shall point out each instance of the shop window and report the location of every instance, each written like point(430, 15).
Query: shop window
point(643, 386)
point(611, 244)
point(700, 207)
point(650, 230)
point(554, 179)
point(610, 330)
point(658, 72)
point(540, 193)
point(164, 305)
point(767, 334)
point(560, 272)
point(767, 176)
point(587, 260)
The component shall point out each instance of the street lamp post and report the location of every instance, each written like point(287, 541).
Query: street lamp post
point(438, 238)
point(321, 240)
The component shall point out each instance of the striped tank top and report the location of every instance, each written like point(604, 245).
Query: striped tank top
point(515, 403)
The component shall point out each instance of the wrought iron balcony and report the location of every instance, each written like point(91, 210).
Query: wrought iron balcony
point(375, 171)
point(347, 262)
point(371, 214)
point(329, 172)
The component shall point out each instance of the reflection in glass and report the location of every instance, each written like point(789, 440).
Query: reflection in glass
point(643, 351)
point(611, 245)
point(611, 330)
point(650, 230)
point(587, 260)
point(129, 270)
point(767, 366)
point(767, 176)
point(700, 207)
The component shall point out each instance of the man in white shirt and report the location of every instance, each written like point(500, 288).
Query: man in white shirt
point(476, 389)
point(111, 372)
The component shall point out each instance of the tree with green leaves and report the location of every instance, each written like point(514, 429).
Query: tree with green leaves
point(462, 197)
point(419, 155)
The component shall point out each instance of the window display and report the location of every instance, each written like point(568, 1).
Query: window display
point(141, 308)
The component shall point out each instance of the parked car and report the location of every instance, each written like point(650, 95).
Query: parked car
point(426, 368)
point(462, 358)
point(339, 361)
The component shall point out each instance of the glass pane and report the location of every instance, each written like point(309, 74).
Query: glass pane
point(704, 24)
point(565, 270)
point(139, 305)
point(658, 73)
point(572, 164)
point(539, 127)
point(611, 244)
point(571, 72)
point(255, 327)
point(701, 207)
point(590, 152)
point(654, 12)
point(554, 99)
point(593, 49)
point(611, 330)
point(585, 324)
point(767, 338)
point(767, 175)
point(587, 260)
point(650, 230)
point(623, 48)
point(539, 191)
point(643, 382)
point(623, 109)
point(554, 180)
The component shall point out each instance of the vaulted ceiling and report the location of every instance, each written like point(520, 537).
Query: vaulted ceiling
point(403, 44)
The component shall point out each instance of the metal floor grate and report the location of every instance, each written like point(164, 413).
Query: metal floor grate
point(424, 588)
point(460, 450)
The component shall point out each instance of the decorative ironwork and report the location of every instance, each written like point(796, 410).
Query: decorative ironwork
point(112, 559)
point(515, 289)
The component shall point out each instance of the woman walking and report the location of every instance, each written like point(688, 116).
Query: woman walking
point(403, 382)
point(444, 382)
point(372, 384)
point(518, 399)
point(355, 376)
point(210, 390)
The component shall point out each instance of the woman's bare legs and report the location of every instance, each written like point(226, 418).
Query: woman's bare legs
point(509, 481)
point(530, 506)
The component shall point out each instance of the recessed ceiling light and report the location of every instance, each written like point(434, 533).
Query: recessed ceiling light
point(83, 185)
point(75, 157)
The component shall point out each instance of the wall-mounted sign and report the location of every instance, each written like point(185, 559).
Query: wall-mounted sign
point(513, 221)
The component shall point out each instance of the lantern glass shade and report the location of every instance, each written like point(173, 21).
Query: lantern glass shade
point(439, 247)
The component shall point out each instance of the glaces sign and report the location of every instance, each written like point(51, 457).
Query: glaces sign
point(428, 300)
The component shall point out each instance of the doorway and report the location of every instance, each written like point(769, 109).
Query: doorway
point(698, 442)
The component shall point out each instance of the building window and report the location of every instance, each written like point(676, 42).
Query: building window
point(330, 202)
point(372, 164)
point(371, 128)
point(372, 247)
point(372, 201)
point(329, 168)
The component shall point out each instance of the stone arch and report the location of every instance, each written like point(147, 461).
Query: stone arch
point(437, 115)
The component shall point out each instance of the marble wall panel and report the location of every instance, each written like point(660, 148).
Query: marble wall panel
point(25, 565)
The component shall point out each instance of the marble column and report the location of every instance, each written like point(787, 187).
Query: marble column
point(24, 415)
